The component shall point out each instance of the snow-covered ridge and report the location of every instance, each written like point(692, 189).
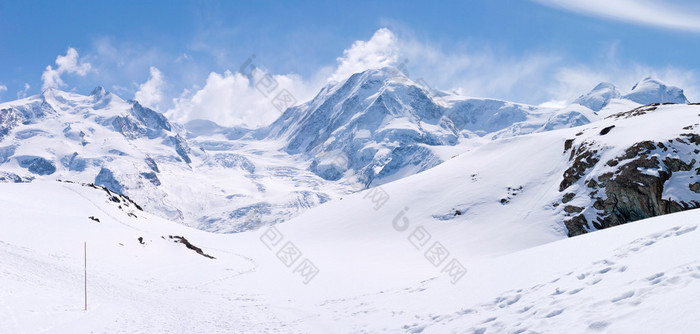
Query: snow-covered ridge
point(384, 126)
point(375, 127)
point(641, 277)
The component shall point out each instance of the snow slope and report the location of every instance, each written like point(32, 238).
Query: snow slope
point(640, 277)
point(474, 245)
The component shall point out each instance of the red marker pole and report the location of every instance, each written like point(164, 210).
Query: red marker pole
point(85, 247)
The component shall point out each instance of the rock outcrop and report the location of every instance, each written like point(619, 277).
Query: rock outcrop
point(632, 185)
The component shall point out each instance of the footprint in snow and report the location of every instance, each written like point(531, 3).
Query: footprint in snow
point(605, 270)
point(655, 279)
point(554, 313)
point(598, 325)
point(622, 297)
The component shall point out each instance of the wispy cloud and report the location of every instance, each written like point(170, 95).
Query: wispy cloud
point(666, 14)
point(68, 64)
point(548, 77)
point(235, 99)
point(23, 93)
point(3, 89)
point(379, 51)
point(478, 69)
point(150, 93)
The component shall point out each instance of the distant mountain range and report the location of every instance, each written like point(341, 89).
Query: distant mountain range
point(375, 127)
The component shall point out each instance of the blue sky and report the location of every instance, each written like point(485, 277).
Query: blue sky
point(182, 57)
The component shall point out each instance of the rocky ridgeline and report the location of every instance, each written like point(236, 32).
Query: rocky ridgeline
point(632, 185)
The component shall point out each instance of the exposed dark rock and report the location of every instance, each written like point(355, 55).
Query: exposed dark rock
point(95, 219)
point(187, 244)
point(631, 192)
point(567, 144)
point(568, 197)
point(695, 187)
point(599, 204)
point(576, 225)
point(692, 137)
point(635, 112)
point(114, 197)
point(573, 209)
point(676, 165)
point(592, 183)
point(585, 159)
point(606, 130)
point(637, 149)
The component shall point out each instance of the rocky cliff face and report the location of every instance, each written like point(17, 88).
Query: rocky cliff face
point(649, 178)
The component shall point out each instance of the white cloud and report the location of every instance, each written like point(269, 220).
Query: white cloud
point(3, 88)
point(647, 12)
point(232, 99)
point(547, 78)
point(150, 93)
point(379, 51)
point(23, 93)
point(70, 64)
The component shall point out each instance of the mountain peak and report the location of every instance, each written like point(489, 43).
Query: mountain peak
point(98, 91)
point(648, 81)
point(651, 90)
point(383, 75)
point(599, 96)
point(604, 85)
point(48, 92)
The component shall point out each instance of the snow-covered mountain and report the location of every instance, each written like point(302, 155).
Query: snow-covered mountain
point(651, 90)
point(136, 151)
point(379, 126)
point(375, 127)
point(647, 91)
point(599, 97)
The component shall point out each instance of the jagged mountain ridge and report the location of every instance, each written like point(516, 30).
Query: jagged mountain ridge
point(377, 126)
